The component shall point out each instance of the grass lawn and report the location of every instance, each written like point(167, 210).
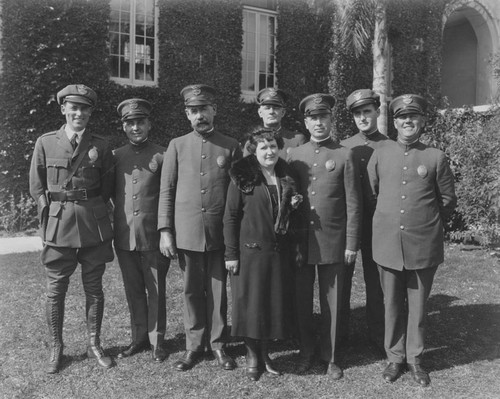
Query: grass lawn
point(463, 344)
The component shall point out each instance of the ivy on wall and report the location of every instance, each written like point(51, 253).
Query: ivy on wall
point(201, 42)
point(46, 44)
point(415, 35)
point(303, 52)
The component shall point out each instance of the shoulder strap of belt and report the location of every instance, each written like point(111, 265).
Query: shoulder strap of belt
point(73, 169)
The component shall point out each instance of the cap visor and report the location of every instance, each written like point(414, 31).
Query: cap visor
point(196, 103)
point(78, 99)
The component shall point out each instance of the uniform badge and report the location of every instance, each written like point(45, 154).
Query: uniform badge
point(221, 161)
point(196, 90)
point(273, 92)
point(330, 165)
point(133, 104)
point(81, 89)
point(422, 171)
point(358, 95)
point(318, 99)
point(153, 165)
point(93, 154)
point(407, 99)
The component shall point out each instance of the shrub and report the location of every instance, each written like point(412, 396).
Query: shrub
point(472, 143)
point(18, 214)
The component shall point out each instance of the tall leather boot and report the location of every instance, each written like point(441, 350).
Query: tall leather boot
point(252, 359)
point(54, 312)
point(264, 352)
point(95, 311)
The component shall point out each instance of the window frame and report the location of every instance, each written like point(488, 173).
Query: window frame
point(132, 81)
point(249, 95)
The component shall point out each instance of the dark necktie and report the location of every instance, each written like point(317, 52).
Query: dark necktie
point(73, 141)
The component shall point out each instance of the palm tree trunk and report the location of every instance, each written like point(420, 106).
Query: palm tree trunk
point(380, 49)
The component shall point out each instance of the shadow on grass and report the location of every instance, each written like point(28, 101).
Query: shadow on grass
point(456, 335)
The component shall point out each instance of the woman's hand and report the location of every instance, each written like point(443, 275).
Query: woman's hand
point(233, 266)
point(296, 201)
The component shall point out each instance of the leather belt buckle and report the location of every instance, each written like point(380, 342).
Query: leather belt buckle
point(84, 194)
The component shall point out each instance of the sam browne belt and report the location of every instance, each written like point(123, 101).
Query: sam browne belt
point(74, 195)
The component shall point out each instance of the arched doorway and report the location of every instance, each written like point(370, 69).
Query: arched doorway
point(467, 49)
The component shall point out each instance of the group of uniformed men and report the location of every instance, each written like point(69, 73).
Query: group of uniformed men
point(387, 198)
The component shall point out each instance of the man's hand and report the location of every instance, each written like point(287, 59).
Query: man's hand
point(167, 244)
point(233, 266)
point(349, 257)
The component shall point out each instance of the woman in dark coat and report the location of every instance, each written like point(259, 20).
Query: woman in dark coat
point(259, 201)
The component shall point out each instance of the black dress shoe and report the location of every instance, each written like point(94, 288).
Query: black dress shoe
point(158, 354)
point(334, 371)
point(225, 361)
point(304, 364)
point(392, 372)
point(132, 349)
point(420, 376)
point(187, 361)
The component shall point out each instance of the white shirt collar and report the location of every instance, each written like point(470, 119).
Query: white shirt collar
point(70, 132)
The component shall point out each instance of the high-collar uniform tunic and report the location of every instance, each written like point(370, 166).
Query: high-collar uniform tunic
point(194, 181)
point(144, 268)
point(329, 181)
point(362, 146)
point(413, 194)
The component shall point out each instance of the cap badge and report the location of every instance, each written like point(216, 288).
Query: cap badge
point(407, 99)
point(196, 90)
point(357, 96)
point(273, 93)
point(93, 154)
point(330, 165)
point(81, 89)
point(422, 171)
point(133, 104)
point(221, 161)
point(318, 99)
